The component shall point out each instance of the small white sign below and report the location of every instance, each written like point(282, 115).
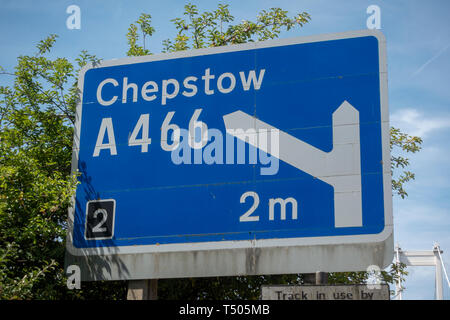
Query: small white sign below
point(321, 292)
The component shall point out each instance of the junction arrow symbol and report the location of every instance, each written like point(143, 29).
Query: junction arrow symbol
point(340, 168)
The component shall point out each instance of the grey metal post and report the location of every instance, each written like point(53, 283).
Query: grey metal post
point(438, 276)
point(142, 289)
point(321, 277)
point(317, 278)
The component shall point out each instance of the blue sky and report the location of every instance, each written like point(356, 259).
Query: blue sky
point(418, 44)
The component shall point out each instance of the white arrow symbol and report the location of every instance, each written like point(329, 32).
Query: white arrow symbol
point(341, 167)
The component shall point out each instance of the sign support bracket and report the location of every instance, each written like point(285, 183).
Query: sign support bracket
point(146, 289)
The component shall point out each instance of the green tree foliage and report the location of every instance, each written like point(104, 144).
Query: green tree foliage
point(37, 114)
point(36, 131)
point(407, 144)
point(213, 29)
point(144, 23)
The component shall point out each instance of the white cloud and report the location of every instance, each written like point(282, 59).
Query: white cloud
point(416, 123)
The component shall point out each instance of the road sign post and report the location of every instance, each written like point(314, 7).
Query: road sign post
point(262, 158)
point(142, 289)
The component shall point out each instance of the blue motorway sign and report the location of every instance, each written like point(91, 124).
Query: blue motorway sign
point(234, 147)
